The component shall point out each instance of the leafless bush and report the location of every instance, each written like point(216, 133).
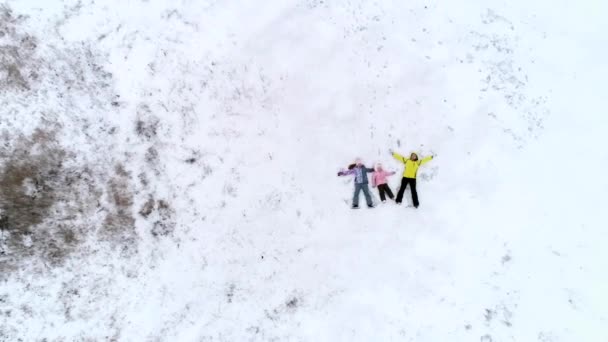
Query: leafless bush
point(34, 180)
point(15, 69)
point(147, 124)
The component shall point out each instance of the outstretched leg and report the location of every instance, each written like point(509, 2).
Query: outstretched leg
point(356, 195)
point(414, 193)
point(388, 191)
point(368, 198)
point(381, 192)
point(401, 190)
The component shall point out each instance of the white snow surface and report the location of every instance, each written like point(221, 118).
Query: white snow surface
point(168, 170)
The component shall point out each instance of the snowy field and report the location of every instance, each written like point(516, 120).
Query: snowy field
point(168, 170)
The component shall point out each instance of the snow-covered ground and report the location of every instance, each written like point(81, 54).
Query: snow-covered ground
point(168, 170)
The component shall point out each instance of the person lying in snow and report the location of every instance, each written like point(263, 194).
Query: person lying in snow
point(379, 180)
point(409, 174)
point(360, 172)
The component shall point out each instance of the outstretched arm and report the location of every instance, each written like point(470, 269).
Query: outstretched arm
point(346, 172)
point(426, 160)
point(399, 157)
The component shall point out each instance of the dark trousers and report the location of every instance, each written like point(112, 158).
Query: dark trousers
point(404, 183)
point(358, 188)
point(384, 189)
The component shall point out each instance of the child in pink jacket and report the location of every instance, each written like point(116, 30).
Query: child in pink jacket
point(379, 179)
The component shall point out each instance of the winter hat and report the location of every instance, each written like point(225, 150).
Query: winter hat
point(358, 161)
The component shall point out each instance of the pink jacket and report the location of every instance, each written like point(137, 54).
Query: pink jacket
point(379, 177)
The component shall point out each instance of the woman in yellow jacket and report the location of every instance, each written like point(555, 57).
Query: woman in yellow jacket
point(409, 175)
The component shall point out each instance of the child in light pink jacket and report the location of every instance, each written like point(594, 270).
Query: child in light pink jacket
point(379, 180)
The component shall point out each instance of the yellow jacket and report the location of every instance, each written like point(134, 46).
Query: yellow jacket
point(411, 167)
